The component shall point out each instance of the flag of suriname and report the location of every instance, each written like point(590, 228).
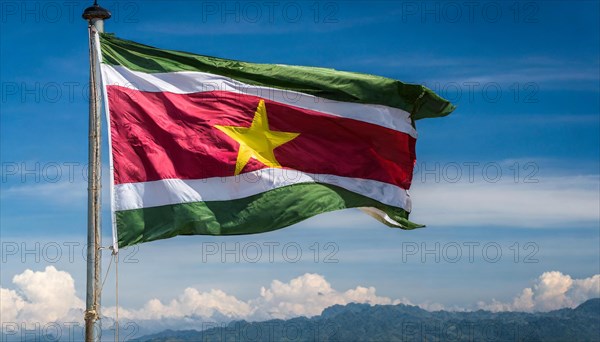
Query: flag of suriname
point(204, 145)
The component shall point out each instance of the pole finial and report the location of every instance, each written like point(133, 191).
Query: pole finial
point(95, 12)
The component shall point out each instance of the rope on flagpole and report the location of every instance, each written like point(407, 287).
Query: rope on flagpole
point(114, 258)
point(106, 274)
point(101, 289)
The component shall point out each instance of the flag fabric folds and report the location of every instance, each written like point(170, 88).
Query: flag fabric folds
point(205, 145)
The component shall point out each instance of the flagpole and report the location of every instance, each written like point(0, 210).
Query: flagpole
point(95, 16)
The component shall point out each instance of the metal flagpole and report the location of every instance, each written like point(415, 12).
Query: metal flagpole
point(95, 16)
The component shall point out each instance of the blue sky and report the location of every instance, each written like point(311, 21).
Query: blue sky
point(524, 138)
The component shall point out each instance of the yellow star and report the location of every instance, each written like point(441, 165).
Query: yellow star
point(257, 141)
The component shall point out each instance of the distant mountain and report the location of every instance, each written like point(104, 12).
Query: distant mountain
point(362, 322)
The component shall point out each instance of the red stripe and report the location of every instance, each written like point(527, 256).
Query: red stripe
point(159, 135)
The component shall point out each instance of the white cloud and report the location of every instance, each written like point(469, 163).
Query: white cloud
point(550, 202)
point(62, 185)
point(477, 72)
point(49, 296)
point(41, 297)
point(10, 305)
point(308, 295)
point(64, 192)
point(551, 291)
point(190, 303)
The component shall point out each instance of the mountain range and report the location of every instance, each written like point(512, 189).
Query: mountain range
point(363, 322)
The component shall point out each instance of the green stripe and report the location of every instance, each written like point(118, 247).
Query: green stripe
point(260, 213)
point(326, 83)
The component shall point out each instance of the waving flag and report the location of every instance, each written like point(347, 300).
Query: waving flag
point(204, 145)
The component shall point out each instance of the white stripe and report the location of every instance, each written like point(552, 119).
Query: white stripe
point(175, 191)
point(101, 84)
point(381, 214)
point(185, 82)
